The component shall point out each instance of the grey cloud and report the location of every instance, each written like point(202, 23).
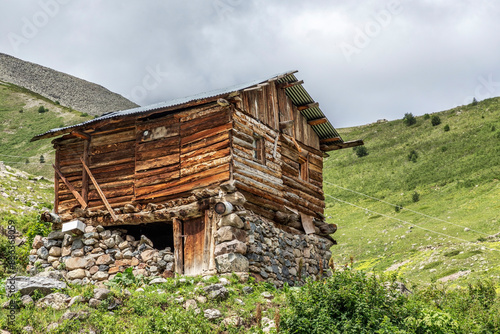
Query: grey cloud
point(428, 57)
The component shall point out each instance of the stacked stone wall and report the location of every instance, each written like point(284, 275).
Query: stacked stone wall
point(98, 255)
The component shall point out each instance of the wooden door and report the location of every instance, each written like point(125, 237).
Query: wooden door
point(194, 240)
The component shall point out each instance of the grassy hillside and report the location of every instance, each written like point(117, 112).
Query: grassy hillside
point(20, 120)
point(453, 184)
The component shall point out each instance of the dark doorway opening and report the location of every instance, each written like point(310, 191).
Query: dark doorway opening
point(161, 233)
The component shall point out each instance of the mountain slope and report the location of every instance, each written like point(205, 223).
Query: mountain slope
point(20, 120)
point(57, 86)
point(453, 184)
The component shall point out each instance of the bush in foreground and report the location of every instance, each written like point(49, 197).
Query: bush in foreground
point(352, 302)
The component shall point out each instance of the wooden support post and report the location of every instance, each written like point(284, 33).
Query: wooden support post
point(56, 183)
point(178, 247)
point(99, 191)
point(206, 243)
point(213, 223)
point(85, 175)
point(71, 188)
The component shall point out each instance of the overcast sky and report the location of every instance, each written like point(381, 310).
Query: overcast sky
point(361, 60)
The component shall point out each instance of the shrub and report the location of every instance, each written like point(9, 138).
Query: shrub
point(409, 119)
point(42, 109)
point(21, 111)
point(474, 102)
point(360, 151)
point(415, 197)
point(84, 114)
point(42, 159)
point(435, 120)
point(413, 156)
point(493, 128)
point(446, 128)
point(427, 116)
point(347, 302)
point(444, 148)
point(398, 207)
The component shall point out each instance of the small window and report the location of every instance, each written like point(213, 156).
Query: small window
point(304, 168)
point(259, 149)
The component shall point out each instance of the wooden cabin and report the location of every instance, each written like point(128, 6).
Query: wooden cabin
point(255, 148)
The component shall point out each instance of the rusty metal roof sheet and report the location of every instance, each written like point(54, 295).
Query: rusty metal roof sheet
point(297, 94)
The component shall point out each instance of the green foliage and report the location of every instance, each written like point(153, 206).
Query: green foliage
point(427, 116)
point(413, 156)
point(446, 128)
point(84, 114)
point(42, 109)
point(360, 151)
point(347, 302)
point(435, 120)
point(42, 159)
point(415, 197)
point(125, 279)
point(409, 119)
point(474, 102)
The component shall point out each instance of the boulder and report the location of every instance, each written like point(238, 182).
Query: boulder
point(232, 220)
point(234, 246)
point(212, 314)
point(55, 235)
point(76, 274)
point(101, 294)
point(105, 259)
point(55, 251)
point(100, 276)
point(76, 263)
point(216, 292)
point(233, 262)
point(147, 255)
point(57, 301)
point(42, 253)
point(27, 285)
point(37, 242)
point(229, 233)
point(157, 280)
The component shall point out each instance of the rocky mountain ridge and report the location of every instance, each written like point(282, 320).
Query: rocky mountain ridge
point(68, 90)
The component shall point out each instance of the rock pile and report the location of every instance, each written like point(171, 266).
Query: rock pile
point(99, 255)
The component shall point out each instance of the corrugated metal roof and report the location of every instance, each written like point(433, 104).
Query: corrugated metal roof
point(297, 94)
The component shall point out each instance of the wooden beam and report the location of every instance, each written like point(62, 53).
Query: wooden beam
point(71, 188)
point(80, 134)
point(340, 146)
point(257, 87)
point(85, 176)
point(178, 248)
point(291, 84)
point(317, 121)
point(329, 140)
point(99, 190)
point(307, 106)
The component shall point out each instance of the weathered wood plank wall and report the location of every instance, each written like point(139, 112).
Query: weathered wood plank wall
point(166, 155)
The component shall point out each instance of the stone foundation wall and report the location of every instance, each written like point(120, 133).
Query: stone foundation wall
point(278, 256)
point(243, 243)
point(99, 255)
